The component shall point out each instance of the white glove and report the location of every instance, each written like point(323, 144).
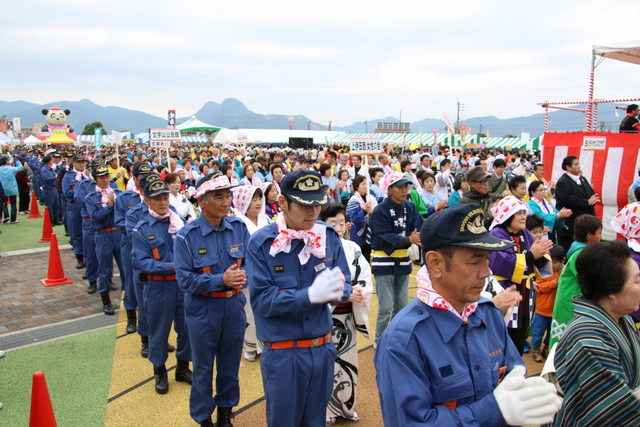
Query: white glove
point(526, 401)
point(327, 286)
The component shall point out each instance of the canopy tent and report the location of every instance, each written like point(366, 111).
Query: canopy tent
point(193, 124)
point(271, 136)
point(625, 52)
point(32, 140)
point(5, 139)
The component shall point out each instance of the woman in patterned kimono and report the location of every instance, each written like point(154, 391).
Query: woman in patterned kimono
point(348, 318)
point(515, 266)
point(248, 203)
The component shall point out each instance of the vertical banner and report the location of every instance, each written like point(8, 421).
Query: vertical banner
point(97, 133)
point(171, 118)
point(16, 124)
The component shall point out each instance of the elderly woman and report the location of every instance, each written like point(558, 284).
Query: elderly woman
point(515, 266)
point(250, 178)
point(541, 206)
point(248, 204)
point(359, 208)
point(348, 318)
point(627, 223)
point(598, 356)
point(177, 199)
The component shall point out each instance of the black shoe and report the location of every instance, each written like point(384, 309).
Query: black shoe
point(106, 305)
point(224, 417)
point(207, 423)
point(131, 321)
point(84, 276)
point(92, 287)
point(144, 352)
point(162, 382)
point(6, 220)
point(80, 263)
point(183, 373)
point(170, 348)
point(113, 286)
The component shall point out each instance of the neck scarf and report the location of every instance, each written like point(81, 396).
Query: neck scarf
point(428, 295)
point(106, 192)
point(135, 190)
point(544, 205)
point(359, 199)
point(314, 240)
point(81, 175)
point(175, 222)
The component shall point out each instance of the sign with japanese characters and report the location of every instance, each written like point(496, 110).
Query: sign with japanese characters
point(161, 138)
point(594, 142)
point(365, 146)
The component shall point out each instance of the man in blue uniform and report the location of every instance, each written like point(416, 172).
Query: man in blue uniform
point(126, 201)
point(208, 257)
point(49, 185)
point(153, 246)
point(443, 359)
point(99, 206)
point(394, 225)
point(295, 267)
point(70, 182)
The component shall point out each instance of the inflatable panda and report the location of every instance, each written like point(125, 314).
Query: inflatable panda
point(56, 119)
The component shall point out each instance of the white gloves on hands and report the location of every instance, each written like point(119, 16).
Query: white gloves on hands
point(327, 287)
point(526, 401)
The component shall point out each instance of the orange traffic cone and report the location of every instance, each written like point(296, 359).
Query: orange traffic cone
point(35, 210)
point(47, 229)
point(55, 275)
point(41, 410)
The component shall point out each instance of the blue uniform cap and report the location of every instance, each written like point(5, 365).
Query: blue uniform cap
point(304, 187)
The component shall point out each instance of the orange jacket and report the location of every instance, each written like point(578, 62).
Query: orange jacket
point(546, 296)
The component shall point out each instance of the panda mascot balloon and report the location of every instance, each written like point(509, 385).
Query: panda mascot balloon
point(56, 119)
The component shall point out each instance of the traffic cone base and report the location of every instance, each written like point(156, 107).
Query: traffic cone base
point(55, 274)
point(35, 210)
point(41, 409)
point(47, 229)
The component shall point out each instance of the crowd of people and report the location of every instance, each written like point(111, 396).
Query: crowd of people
point(292, 243)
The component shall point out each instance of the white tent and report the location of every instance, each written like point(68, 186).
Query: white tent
point(32, 140)
point(271, 136)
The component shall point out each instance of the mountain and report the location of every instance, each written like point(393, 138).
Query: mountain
point(233, 114)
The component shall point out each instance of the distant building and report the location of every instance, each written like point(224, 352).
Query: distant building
point(392, 127)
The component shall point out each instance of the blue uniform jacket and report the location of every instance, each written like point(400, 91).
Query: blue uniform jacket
point(427, 357)
point(199, 245)
point(102, 216)
point(48, 178)
point(124, 202)
point(69, 185)
point(153, 246)
point(278, 287)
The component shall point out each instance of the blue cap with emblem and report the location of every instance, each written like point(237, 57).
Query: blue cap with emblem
point(304, 187)
point(460, 225)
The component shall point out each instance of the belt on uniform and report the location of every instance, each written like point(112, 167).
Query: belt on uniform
point(52, 188)
point(108, 229)
point(153, 277)
point(222, 294)
point(314, 342)
point(87, 218)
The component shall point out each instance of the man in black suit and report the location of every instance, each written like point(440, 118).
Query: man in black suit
point(574, 192)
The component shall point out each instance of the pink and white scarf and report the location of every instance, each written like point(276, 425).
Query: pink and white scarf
point(359, 199)
point(428, 295)
point(105, 192)
point(139, 193)
point(627, 223)
point(175, 222)
point(81, 175)
point(315, 240)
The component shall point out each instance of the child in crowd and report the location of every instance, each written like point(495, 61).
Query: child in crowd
point(535, 224)
point(545, 298)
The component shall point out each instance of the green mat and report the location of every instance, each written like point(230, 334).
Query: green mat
point(78, 373)
point(26, 233)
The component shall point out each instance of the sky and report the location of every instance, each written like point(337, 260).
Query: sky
point(341, 61)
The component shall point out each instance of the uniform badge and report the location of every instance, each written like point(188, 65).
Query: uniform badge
point(202, 251)
point(151, 237)
point(318, 268)
point(278, 268)
point(234, 250)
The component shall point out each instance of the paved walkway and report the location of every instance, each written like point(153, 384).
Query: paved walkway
point(27, 304)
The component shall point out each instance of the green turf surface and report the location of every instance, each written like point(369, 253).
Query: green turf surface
point(26, 233)
point(77, 370)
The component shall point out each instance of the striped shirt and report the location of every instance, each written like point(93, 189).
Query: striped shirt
point(597, 363)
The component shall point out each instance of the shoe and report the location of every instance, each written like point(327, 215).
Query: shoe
point(207, 423)
point(224, 417)
point(80, 260)
point(162, 382)
point(544, 351)
point(23, 213)
point(170, 348)
point(106, 305)
point(144, 351)
point(84, 276)
point(14, 222)
point(353, 417)
point(6, 220)
point(330, 420)
point(535, 353)
point(183, 373)
point(131, 322)
point(250, 355)
point(92, 287)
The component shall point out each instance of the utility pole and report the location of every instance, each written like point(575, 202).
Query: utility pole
point(458, 117)
point(366, 126)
